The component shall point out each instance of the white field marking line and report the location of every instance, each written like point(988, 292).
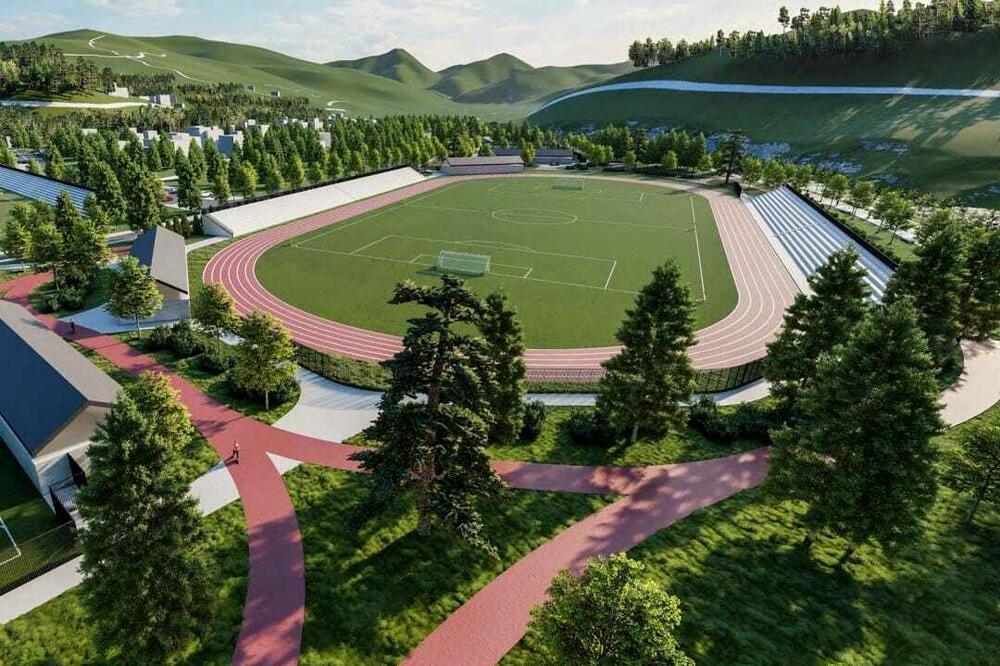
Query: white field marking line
point(587, 195)
point(374, 242)
point(603, 222)
point(12, 542)
point(642, 195)
point(697, 245)
point(473, 243)
point(608, 281)
point(410, 262)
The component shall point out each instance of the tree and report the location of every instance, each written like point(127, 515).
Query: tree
point(214, 310)
point(55, 167)
point(188, 192)
point(334, 165)
point(861, 457)
point(316, 173)
point(645, 383)
point(196, 158)
point(732, 150)
point(145, 197)
point(84, 250)
point(7, 156)
point(974, 467)
point(892, 210)
point(220, 186)
point(434, 448)
point(96, 213)
point(132, 292)
point(752, 169)
point(265, 357)
point(705, 163)
point(815, 323)
point(247, 183)
point(669, 162)
point(774, 174)
point(783, 18)
point(16, 241)
point(836, 187)
point(296, 172)
point(934, 281)
point(611, 615)
point(273, 180)
point(528, 153)
point(109, 191)
point(147, 586)
point(862, 195)
point(630, 160)
point(505, 349)
point(34, 167)
point(980, 296)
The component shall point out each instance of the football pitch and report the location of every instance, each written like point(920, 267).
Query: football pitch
point(571, 261)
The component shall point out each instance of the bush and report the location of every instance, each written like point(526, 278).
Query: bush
point(183, 340)
point(747, 421)
point(590, 428)
point(217, 359)
point(534, 417)
point(158, 339)
point(281, 395)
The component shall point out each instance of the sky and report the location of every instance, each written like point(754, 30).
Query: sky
point(438, 32)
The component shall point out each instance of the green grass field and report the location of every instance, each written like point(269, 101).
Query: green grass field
point(7, 201)
point(571, 261)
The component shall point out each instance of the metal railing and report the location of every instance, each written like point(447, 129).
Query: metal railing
point(37, 555)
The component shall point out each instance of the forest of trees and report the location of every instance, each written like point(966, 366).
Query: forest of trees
point(832, 31)
point(41, 68)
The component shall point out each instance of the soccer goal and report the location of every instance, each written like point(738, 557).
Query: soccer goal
point(463, 263)
point(569, 184)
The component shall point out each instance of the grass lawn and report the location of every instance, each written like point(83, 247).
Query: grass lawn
point(571, 261)
point(212, 385)
point(880, 239)
point(554, 445)
point(371, 597)
point(750, 594)
point(7, 201)
point(59, 631)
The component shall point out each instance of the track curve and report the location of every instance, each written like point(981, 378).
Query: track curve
point(763, 285)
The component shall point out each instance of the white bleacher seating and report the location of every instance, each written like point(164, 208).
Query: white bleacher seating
point(809, 239)
point(35, 187)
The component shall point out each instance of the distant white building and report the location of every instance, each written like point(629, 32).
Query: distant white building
point(275, 94)
point(316, 124)
point(470, 166)
point(118, 91)
point(227, 142)
point(86, 131)
point(325, 139)
point(161, 99)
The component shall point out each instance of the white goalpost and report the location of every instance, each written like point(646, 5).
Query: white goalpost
point(570, 184)
point(463, 263)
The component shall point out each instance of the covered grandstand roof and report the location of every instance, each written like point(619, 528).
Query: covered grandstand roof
point(489, 160)
point(40, 188)
point(163, 251)
point(50, 374)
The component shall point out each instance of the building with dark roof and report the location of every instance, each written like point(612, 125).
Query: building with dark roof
point(164, 253)
point(470, 166)
point(555, 157)
point(50, 412)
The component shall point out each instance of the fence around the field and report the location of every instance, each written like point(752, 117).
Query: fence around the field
point(38, 555)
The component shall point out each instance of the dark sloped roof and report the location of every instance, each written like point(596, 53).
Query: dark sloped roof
point(163, 252)
point(485, 161)
point(554, 152)
point(46, 382)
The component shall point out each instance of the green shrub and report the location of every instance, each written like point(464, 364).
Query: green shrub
point(746, 421)
point(287, 391)
point(534, 417)
point(159, 338)
point(217, 359)
point(183, 340)
point(590, 428)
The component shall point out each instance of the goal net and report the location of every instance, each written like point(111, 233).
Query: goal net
point(569, 184)
point(463, 263)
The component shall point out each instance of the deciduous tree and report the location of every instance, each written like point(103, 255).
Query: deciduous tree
point(132, 292)
point(214, 310)
point(265, 357)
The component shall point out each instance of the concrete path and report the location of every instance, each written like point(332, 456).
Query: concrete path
point(978, 387)
point(760, 89)
point(100, 320)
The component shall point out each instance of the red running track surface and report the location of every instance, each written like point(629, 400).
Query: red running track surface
point(763, 285)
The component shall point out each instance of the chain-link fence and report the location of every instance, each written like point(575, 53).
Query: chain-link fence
point(22, 561)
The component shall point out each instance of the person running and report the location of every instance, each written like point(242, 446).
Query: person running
point(72, 327)
point(235, 457)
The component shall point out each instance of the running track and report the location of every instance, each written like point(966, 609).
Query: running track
point(494, 620)
point(763, 285)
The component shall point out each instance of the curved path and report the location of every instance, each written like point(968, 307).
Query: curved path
point(677, 85)
point(763, 285)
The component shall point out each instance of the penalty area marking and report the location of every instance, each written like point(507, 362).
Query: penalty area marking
point(534, 216)
point(697, 245)
point(17, 551)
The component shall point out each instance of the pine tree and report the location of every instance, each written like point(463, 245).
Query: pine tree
point(296, 172)
point(611, 614)
point(435, 448)
point(935, 281)
point(316, 173)
point(645, 383)
point(334, 166)
point(815, 323)
point(273, 180)
point(56, 166)
point(132, 293)
point(980, 296)
point(265, 357)
point(974, 467)
point(669, 162)
point(109, 192)
point(505, 348)
point(147, 586)
point(861, 456)
point(145, 197)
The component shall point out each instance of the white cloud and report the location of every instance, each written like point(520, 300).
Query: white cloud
point(138, 8)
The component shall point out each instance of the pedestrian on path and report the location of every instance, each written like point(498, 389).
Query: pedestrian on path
point(235, 457)
point(72, 327)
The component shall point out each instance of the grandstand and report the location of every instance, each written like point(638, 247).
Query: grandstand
point(807, 239)
point(252, 217)
point(39, 188)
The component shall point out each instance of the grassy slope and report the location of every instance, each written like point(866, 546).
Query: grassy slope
point(953, 142)
point(397, 64)
point(750, 594)
point(360, 93)
point(553, 315)
point(462, 79)
point(543, 83)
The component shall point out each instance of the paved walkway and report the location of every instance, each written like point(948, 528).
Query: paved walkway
point(761, 89)
point(978, 387)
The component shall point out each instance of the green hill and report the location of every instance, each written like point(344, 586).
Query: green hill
point(397, 64)
point(950, 146)
point(543, 83)
point(461, 80)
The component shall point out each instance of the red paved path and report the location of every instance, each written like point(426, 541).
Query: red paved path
point(494, 620)
point(763, 285)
